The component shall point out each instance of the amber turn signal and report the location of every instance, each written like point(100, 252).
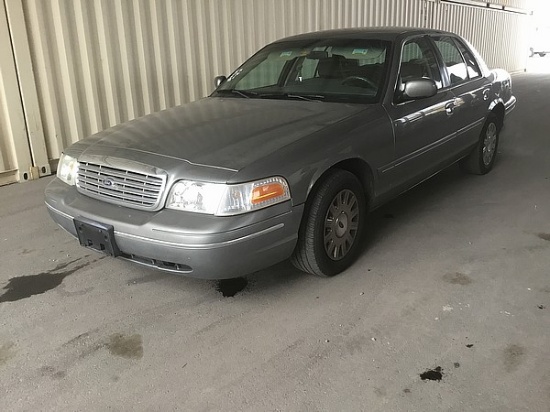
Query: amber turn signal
point(267, 192)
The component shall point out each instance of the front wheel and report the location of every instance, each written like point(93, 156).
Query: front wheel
point(332, 226)
point(482, 159)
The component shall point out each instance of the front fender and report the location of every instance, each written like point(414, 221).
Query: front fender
point(350, 162)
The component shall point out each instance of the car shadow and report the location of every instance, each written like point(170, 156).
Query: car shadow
point(410, 203)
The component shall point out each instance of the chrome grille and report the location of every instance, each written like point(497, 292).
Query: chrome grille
point(121, 187)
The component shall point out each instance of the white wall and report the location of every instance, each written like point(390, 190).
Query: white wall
point(96, 63)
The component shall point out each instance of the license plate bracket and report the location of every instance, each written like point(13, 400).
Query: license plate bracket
point(97, 236)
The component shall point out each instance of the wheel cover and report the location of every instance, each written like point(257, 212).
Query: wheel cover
point(490, 144)
point(341, 224)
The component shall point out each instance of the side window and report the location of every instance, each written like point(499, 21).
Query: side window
point(418, 61)
point(452, 59)
point(473, 68)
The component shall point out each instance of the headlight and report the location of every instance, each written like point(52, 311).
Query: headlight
point(195, 196)
point(224, 200)
point(67, 169)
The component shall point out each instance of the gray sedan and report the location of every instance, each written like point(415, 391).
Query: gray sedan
point(287, 156)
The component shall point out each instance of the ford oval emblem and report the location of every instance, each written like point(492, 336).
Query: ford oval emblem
point(108, 182)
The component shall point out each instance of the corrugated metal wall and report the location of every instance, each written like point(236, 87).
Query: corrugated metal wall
point(12, 130)
point(97, 63)
point(501, 38)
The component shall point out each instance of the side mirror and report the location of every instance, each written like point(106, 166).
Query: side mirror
point(218, 80)
point(419, 89)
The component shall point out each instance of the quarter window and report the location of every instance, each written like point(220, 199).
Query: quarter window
point(452, 59)
point(473, 68)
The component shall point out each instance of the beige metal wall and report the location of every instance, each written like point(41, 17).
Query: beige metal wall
point(501, 38)
point(13, 137)
point(96, 63)
point(23, 154)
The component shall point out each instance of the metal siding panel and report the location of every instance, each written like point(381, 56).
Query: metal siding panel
point(15, 157)
point(498, 36)
point(93, 121)
point(46, 77)
point(121, 21)
point(520, 4)
point(158, 54)
point(205, 47)
point(145, 104)
point(27, 86)
point(106, 42)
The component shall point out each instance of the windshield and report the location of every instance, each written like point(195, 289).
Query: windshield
point(340, 70)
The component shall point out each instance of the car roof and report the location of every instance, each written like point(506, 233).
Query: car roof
point(381, 33)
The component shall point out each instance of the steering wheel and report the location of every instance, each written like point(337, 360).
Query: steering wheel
point(359, 81)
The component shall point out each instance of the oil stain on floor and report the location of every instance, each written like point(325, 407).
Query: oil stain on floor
point(153, 277)
point(432, 374)
point(230, 287)
point(129, 347)
point(513, 357)
point(52, 372)
point(6, 352)
point(457, 279)
point(26, 286)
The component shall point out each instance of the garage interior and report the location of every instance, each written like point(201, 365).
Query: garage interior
point(453, 279)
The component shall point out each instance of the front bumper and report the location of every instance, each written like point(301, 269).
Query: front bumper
point(184, 243)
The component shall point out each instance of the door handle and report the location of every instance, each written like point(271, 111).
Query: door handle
point(450, 108)
point(486, 94)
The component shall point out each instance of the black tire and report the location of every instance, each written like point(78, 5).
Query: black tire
point(482, 159)
point(332, 197)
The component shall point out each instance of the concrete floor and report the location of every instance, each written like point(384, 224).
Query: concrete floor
point(456, 275)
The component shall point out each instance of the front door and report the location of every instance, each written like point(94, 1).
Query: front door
point(424, 127)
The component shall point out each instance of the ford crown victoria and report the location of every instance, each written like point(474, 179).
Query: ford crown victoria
point(287, 156)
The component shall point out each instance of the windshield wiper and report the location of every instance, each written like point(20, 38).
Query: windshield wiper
point(249, 93)
point(243, 93)
point(307, 97)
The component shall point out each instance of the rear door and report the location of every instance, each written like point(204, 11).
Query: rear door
point(470, 88)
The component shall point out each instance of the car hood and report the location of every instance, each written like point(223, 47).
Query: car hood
point(223, 133)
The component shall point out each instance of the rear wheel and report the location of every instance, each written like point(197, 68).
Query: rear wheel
point(332, 226)
point(482, 158)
